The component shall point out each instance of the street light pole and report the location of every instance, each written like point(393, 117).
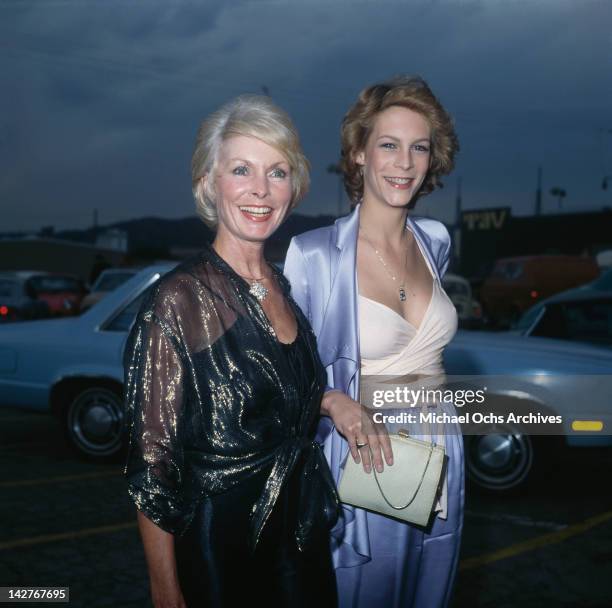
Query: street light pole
point(560, 193)
point(457, 231)
point(604, 166)
point(335, 169)
point(538, 199)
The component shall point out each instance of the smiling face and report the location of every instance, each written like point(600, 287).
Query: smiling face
point(252, 184)
point(396, 156)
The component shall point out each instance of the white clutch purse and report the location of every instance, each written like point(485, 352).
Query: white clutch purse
point(406, 490)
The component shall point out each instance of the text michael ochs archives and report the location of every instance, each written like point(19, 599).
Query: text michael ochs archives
point(465, 418)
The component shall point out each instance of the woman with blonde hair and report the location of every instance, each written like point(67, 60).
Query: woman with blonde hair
point(370, 286)
point(223, 389)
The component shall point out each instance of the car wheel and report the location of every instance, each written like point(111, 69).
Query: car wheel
point(94, 423)
point(500, 460)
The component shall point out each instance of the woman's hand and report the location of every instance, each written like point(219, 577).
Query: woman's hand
point(159, 552)
point(354, 422)
point(166, 595)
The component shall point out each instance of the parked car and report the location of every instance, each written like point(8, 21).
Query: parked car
point(459, 291)
point(107, 281)
point(523, 375)
point(73, 368)
point(18, 300)
point(515, 284)
point(62, 293)
point(581, 315)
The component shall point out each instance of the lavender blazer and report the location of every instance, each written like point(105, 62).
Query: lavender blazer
point(321, 266)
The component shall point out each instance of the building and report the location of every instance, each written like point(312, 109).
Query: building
point(55, 255)
point(490, 234)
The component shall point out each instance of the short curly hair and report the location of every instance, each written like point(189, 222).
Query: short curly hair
point(252, 116)
point(410, 92)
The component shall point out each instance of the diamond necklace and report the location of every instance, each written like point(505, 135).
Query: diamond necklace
point(401, 288)
point(257, 288)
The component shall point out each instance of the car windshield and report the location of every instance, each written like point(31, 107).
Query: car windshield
point(123, 321)
point(508, 270)
point(7, 288)
point(112, 280)
point(456, 288)
point(528, 319)
point(53, 284)
point(583, 321)
point(604, 282)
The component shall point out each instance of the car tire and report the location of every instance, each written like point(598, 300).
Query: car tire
point(94, 421)
point(499, 461)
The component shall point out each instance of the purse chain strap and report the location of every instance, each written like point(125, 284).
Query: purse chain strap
point(431, 447)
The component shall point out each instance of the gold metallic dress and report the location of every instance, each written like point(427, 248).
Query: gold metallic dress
point(221, 418)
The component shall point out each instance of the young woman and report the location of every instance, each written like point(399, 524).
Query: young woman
point(370, 286)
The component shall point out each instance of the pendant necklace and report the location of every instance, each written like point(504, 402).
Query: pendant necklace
point(401, 289)
point(257, 288)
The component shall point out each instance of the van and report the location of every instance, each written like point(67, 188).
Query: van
point(515, 284)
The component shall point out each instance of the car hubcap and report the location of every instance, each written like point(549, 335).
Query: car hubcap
point(495, 451)
point(95, 421)
point(499, 461)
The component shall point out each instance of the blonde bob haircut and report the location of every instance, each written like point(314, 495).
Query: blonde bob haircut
point(252, 116)
point(410, 92)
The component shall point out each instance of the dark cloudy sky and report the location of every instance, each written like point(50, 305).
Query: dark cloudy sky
point(100, 99)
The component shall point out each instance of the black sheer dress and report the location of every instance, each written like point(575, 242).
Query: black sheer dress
point(221, 419)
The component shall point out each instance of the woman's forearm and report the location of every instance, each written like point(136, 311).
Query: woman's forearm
point(159, 552)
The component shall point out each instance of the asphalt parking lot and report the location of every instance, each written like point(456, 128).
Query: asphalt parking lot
point(65, 522)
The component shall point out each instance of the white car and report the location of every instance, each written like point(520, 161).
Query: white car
point(73, 368)
point(459, 291)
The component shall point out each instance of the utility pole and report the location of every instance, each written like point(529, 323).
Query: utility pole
point(604, 184)
point(604, 165)
point(458, 204)
point(457, 230)
point(335, 169)
point(538, 197)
